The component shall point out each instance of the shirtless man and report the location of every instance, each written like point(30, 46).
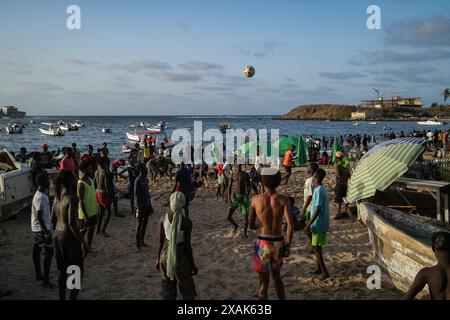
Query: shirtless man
point(69, 243)
point(104, 195)
point(238, 196)
point(271, 249)
point(437, 277)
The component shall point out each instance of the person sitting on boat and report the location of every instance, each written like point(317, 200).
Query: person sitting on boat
point(436, 277)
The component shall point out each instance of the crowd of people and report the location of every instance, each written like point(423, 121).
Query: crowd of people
point(86, 197)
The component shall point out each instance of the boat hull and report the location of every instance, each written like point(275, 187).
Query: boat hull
point(400, 254)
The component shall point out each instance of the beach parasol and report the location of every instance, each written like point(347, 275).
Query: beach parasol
point(382, 166)
point(301, 152)
point(336, 148)
point(284, 143)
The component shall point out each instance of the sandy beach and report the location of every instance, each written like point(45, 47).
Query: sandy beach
point(116, 271)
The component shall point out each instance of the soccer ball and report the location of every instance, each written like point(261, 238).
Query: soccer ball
point(249, 71)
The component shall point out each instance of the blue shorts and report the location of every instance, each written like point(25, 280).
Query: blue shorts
point(41, 241)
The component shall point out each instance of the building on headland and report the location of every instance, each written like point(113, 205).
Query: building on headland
point(394, 102)
point(12, 113)
point(359, 116)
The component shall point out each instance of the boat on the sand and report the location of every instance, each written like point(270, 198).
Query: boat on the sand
point(16, 186)
point(401, 242)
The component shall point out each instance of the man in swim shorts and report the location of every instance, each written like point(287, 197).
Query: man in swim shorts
point(238, 196)
point(104, 195)
point(269, 208)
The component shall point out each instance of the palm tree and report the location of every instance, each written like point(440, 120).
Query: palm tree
point(446, 95)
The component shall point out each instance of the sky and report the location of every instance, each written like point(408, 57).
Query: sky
point(186, 57)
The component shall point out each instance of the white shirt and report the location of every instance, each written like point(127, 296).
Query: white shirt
point(167, 226)
point(430, 136)
point(308, 191)
point(40, 203)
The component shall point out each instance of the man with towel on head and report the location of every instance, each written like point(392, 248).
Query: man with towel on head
point(175, 257)
point(269, 208)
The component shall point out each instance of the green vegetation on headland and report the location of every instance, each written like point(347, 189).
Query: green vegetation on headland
point(344, 113)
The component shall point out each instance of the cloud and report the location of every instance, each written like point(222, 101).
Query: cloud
point(183, 26)
point(262, 51)
point(41, 86)
point(341, 75)
point(140, 65)
point(411, 74)
point(419, 32)
point(79, 62)
point(200, 66)
point(176, 77)
point(389, 56)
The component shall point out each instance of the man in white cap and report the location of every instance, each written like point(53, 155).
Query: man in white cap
point(271, 248)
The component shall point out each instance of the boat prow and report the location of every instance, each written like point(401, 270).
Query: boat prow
point(401, 242)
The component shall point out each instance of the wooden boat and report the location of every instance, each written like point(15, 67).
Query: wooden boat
point(401, 242)
point(16, 186)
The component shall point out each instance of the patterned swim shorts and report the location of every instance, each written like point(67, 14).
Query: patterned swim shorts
point(269, 254)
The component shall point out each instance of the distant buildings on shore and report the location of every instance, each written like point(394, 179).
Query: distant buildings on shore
point(11, 113)
point(394, 102)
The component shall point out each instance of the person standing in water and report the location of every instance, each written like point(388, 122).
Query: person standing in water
point(437, 277)
point(143, 205)
point(42, 229)
point(239, 189)
point(69, 243)
point(269, 209)
point(175, 257)
point(87, 205)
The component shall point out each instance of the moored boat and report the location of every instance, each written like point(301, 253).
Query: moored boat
point(432, 123)
point(107, 130)
point(14, 128)
point(50, 130)
point(401, 242)
point(223, 127)
point(64, 126)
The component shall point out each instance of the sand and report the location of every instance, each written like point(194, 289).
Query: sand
point(116, 271)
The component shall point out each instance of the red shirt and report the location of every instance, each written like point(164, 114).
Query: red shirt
point(68, 164)
point(288, 159)
point(219, 168)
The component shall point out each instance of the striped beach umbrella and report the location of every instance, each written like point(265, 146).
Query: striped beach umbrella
point(382, 166)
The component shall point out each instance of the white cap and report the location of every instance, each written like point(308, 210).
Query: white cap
point(270, 171)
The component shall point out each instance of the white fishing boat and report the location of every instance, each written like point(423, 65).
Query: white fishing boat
point(14, 128)
point(401, 242)
point(373, 123)
point(107, 130)
point(431, 123)
point(159, 127)
point(78, 124)
point(133, 137)
point(356, 124)
point(16, 186)
point(50, 130)
point(66, 126)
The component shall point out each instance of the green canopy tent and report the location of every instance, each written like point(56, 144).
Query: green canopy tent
point(302, 146)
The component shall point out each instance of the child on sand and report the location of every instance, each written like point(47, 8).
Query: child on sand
point(437, 277)
point(318, 225)
point(42, 229)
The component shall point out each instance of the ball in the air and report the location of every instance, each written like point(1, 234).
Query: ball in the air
point(249, 71)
